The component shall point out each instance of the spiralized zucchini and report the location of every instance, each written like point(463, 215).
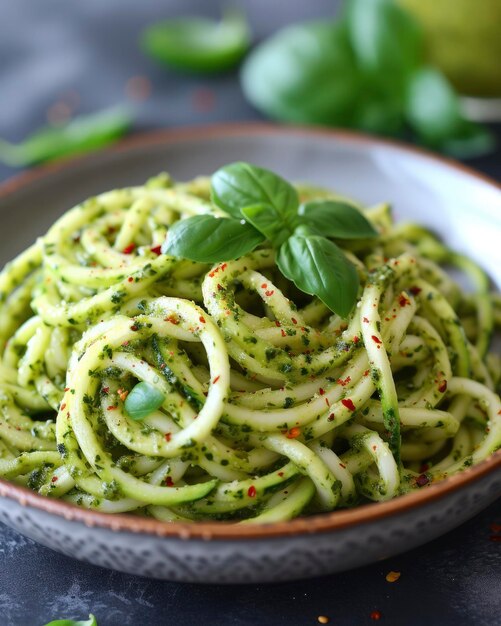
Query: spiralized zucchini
point(274, 406)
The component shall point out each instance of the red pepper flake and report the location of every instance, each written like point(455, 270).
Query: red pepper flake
point(415, 290)
point(376, 339)
point(422, 480)
point(264, 286)
point(366, 373)
point(157, 250)
point(277, 324)
point(443, 386)
point(169, 482)
point(251, 491)
point(376, 615)
point(168, 437)
point(348, 403)
point(122, 394)
point(134, 327)
point(293, 433)
point(344, 382)
point(342, 465)
point(293, 320)
point(365, 320)
point(129, 249)
point(105, 390)
point(62, 407)
point(374, 448)
point(111, 408)
point(269, 293)
point(130, 279)
point(216, 379)
point(327, 402)
point(321, 391)
point(53, 479)
point(283, 333)
point(280, 474)
point(202, 319)
point(219, 287)
point(403, 300)
point(356, 339)
point(331, 417)
point(67, 389)
point(172, 319)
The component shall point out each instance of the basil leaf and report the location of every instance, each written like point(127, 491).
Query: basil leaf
point(208, 239)
point(332, 218)
point(238, 185)
point(469, 140)
point(70, 622)
point(197, 44)
point(305, 73)
point(432, 106)
point(143, 400)
point(82, 134)
point(267, 220)
point(386, 38)
point(318, 267)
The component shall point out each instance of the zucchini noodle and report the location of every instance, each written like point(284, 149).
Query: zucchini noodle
point(273, 405)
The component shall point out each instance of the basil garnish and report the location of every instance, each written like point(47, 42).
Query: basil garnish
point(264, 206)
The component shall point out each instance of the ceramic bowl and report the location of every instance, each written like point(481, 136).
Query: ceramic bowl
point(464, 207)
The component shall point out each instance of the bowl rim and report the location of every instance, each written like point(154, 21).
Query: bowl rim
point(326, 522)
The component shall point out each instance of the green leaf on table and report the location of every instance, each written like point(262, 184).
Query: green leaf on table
point(198, 44)
point(70, 622)
point(385, 37)
point(142, 400)
point(332, 218)
point(240, 185)
point(208, 239)
point(82, 134)
point(305, 73)
point(318, 267)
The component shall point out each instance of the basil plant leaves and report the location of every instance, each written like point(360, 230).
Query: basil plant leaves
point(262, 206)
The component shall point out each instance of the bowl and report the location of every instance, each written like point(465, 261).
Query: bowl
point(461, 205)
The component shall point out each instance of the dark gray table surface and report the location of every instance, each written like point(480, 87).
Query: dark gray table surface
point(86, 51)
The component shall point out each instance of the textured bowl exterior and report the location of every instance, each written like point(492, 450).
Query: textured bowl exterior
point(431, 190)
point(235, 560)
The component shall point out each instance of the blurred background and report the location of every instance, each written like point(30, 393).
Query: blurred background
point(75, 76)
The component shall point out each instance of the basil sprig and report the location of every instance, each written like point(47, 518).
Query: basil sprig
point(263, 206)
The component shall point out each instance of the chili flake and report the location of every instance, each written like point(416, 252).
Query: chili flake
point(331, 417)
point(251, 491)
point(53, 479)
point(376, 615)
point(422, 480)
point(156, 250)
point(365, 320)
point(293, 320)
point(415, 290)
point(392, 576)
point(202, 319)
point(216, 379)
point(376, 339)
point(443, 386)
point(130, 279)
point(293, 433)
point(168, 437)
point(169, 482)
point(321, 391)
point(348, 403)
point(129, 249)
point(62, 407)
point(269, 293)
point(112, 408)
point(403, 300)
